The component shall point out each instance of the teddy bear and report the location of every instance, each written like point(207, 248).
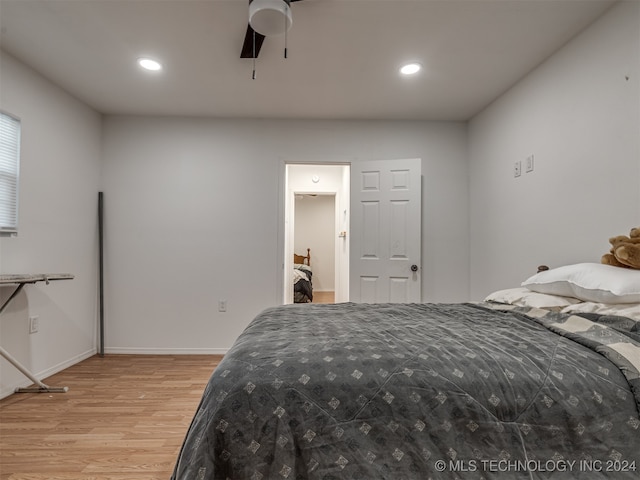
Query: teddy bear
point(625, 251)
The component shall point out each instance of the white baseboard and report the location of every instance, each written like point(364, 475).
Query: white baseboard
point(48, 372)
point(165, 351)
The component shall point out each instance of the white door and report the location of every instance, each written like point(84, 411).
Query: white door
point(386, 231)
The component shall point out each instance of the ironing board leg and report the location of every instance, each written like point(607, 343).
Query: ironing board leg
point(39, 386)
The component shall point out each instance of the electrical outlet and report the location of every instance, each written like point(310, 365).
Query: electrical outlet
point(222, 305)
point(517, 169)
point(529, 164)
point(34, 324)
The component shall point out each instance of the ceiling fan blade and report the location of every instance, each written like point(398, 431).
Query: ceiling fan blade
point(247, 46)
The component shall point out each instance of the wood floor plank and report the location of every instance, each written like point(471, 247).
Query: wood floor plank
point(324, 297)
point(124, 417)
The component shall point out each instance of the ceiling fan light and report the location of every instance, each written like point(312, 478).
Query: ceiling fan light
point(149, 64)
point(270, 17)
point(410, 68)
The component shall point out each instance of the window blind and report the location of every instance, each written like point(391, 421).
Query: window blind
point(9, 172)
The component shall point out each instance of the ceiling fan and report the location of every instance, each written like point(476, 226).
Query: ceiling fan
point(266, 18)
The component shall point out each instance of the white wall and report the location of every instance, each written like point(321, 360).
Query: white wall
point(192, 216)
point(579, 115)
point(315, 228)
point(59, 175)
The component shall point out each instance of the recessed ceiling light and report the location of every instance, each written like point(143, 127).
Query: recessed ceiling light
point(149, 64)
point(410, 68)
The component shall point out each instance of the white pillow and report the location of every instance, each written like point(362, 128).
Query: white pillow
point(591, 282)
point(523, 297)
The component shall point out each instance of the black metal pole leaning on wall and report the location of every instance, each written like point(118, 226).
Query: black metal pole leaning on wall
point(101, 271)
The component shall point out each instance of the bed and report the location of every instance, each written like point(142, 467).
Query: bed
point(526, 384)
point(302, 278)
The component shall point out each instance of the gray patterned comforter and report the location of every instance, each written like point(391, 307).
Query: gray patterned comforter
point(420, 391)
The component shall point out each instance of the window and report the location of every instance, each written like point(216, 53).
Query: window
point(9, 168)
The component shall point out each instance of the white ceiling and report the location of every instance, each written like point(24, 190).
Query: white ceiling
point(343, 60)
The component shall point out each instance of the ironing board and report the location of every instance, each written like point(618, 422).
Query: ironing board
point(20, 281)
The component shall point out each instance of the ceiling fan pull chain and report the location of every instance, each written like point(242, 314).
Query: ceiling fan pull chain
point(253, 75)
point(285, 34)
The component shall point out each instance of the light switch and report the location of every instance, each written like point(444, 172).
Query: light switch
point(529, 164)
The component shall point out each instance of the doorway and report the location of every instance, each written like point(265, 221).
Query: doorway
point(317, 217)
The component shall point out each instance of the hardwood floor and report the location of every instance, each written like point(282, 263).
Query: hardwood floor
point(323, 297)
point(124, 417)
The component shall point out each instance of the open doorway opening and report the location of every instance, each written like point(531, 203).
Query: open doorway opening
point(314, 230)
point(317, 226)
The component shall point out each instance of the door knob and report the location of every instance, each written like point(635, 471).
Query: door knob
point(414, 268)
